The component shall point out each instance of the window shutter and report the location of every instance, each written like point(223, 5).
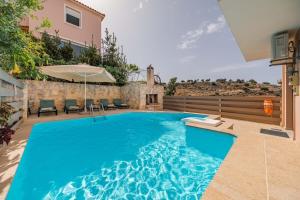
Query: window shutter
point(280, 46)
point(73, 16)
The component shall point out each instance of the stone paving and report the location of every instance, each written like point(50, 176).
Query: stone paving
point(257, 167)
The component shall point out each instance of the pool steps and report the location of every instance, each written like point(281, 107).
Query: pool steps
point(225, 126)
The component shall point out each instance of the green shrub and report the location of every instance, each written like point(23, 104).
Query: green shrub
point(171, 87)
point(252, 81)
point(5, 131)
point(90, 56)
point(66, 52)
point(264, 89)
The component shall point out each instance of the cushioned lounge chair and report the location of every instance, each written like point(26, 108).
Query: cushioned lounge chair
point(47, 106)
point(106, 105)
point(119, 104)
point(90, 103)
point(71, 105)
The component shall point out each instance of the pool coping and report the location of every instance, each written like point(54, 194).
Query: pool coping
point(241, 175)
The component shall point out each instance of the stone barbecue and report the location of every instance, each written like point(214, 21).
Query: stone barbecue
point(141, 95)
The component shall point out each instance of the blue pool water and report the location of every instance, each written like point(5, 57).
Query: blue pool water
point(123, 156)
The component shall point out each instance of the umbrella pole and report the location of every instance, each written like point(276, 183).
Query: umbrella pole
point(85, 93)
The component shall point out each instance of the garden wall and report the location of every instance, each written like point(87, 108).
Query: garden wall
point(59, 91)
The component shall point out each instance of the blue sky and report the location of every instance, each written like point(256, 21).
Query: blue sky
point(188, 39)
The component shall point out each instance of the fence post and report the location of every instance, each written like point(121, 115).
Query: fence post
point(25, 101)
point(0, 88)
point(184, 103)
point(220, 106)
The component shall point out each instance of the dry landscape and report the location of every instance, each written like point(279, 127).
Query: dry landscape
point(223, 87)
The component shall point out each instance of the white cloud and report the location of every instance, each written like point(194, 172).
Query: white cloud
point(141, 5)
point(240, 66)
point(190, 38)
point(217, 26)
point(187, 59)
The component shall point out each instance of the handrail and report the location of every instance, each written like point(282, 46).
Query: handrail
point(11, 92)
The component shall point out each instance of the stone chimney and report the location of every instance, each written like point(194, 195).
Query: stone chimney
point(150, 76)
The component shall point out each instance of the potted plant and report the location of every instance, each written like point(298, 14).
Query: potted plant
point(5, 131)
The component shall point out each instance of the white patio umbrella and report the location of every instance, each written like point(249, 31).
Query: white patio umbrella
point(79, 73)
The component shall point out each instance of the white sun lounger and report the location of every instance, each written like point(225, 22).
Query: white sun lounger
point(202, 121)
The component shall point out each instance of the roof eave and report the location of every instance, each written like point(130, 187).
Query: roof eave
point(90, 8)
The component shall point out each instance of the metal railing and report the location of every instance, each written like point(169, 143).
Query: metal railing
point(242, 108)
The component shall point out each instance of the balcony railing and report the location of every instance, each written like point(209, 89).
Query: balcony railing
point(11, 92)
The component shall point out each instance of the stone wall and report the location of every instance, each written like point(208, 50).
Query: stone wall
point(131, 94)
point(60, 91)
point(134, 94)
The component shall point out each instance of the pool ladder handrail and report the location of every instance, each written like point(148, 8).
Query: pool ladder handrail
point(102, 108)
point(92, 111)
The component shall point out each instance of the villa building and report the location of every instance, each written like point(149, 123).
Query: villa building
point(70, 19)
point(271, 29)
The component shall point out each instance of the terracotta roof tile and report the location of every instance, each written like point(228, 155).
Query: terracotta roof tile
point(88, 7)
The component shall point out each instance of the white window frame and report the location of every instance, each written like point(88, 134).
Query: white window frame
point(65, 16)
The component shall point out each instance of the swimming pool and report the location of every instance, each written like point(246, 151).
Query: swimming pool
point(123, 156)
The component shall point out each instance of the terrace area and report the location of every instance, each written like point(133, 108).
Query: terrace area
point(87, 132)
point(258, 166)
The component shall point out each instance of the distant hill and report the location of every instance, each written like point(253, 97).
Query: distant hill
point(223, 87)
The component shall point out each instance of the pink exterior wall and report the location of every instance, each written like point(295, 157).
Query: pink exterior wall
point(25, 22)
point(54, 10)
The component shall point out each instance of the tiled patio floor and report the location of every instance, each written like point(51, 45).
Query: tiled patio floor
point(257, 167)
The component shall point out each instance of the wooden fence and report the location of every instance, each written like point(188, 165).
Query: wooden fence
point(242, 108)
point(11, 92)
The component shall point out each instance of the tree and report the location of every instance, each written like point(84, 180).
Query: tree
point(240, 81)
point(120, 74)
point(66, 52)
point(90, 56)
point(171, 87)
point(266, 89)
point(19, 51)
point(114, 59)
point(252, 81)
point(52, 46)
point(221, 80)
point(112, 55)
point(132, 68)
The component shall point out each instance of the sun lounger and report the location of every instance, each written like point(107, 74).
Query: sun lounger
point(202, 121)
point(47, 106)
point(71, 105)
point(106, 105)
point(119, 104)
point(90, 103)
